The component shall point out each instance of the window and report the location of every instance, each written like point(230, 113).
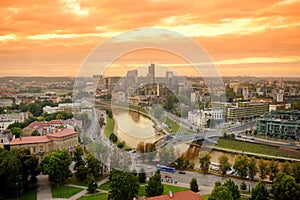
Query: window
point(41, 148)
point(33, 149)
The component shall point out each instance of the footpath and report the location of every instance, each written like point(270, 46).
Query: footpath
point(44, 189)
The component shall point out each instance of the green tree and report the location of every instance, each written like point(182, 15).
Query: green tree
point(35, 108)
point(154, 187)
point(34, 133)
point(78, 157)
point(194, 185)
point(81, 172)
point(179, 162)
point(220, 193)
point(113, 137)
point(124, 185)
point(285, 187)
point(16, 131)
point(260, 192)
point(204, 162)
point(262, 169)
point(286, 167)
point(233, 188)
point(296, 171)
point(142, 176)
point(243, 186)
point(241, 164)
point(56, 165)
point(217, 184)
point(273, 169)
point(101, 122)
point(252, 169)
point(11, 173)
point(224, 164)
point(92, 185)
point(93, 165)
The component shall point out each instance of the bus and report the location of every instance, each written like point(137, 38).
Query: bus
point(165, 168)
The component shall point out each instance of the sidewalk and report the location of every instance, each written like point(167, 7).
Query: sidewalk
point(44, 188)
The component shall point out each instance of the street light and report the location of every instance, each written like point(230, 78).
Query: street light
point(17, 184)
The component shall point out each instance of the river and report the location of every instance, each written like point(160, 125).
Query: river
point(133, 128)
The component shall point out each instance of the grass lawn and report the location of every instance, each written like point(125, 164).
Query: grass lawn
point(174, 189)
point(252, 147)
point(142, 191)
point(102, 196)
point(27, 195)
point(109, 128)
point(172, 125)
point(105, 186)
point(205, 196)
point(76, 181)
point(65, 191)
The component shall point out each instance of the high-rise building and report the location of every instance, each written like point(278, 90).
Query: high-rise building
point(151, 73)
point(169, 78)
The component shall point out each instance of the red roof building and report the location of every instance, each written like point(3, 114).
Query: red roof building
point(185, 195)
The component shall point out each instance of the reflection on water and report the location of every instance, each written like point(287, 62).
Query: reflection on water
point(133, 128)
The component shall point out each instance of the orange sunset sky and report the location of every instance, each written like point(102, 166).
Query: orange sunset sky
point(52, 38)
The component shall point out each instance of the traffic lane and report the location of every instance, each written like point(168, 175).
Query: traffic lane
point(206, 182)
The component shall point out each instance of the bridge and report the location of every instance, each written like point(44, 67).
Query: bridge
point(176, 139)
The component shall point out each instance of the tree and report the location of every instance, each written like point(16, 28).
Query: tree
point(243, 186)
point(81, 172)
point(78, 157)
point(224, 164)
point(285, 187)
point(34, 133)
point(113, 137)
point(217, 184)
point(233, 188)
point(101, 122)
point(179, 162)
point(11, 173)
point(252, 169)
point(194, 185)
point(92, 185)
point(273, 169)
point(241, 164)
point(124, 185)
point(16, 131)
point(204, 162)
point(262, 169)
point(56, 165)
point(142, 176)
point(286, 167)
point(260, 192)
point(93, 165)
point(154, 187)
point(296, 171)
point(35, 108)
point(220, 193)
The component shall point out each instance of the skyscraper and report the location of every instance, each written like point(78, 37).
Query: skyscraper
point(151, 73)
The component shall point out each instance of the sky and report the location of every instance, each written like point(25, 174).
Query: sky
point(54, 38)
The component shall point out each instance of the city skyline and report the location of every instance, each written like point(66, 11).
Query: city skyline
point(242, 38)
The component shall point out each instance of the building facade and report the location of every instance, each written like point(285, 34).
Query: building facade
point(62, 139)
point(280, 124)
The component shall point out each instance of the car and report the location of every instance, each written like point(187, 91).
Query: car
point(181, 172)
point(167, 176)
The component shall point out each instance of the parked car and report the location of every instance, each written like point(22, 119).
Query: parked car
point(181, 172)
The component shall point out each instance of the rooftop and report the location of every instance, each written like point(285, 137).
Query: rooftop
point(178, 196)
point(30, 140)
point(62, 133)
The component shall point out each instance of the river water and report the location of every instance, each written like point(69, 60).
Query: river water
point(133, 128)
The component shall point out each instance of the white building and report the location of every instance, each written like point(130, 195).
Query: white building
point(4, 124)
point(200, 117)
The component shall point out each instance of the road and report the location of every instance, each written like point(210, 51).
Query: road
point(206, 183)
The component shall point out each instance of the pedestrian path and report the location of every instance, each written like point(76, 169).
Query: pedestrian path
point(44, 188)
